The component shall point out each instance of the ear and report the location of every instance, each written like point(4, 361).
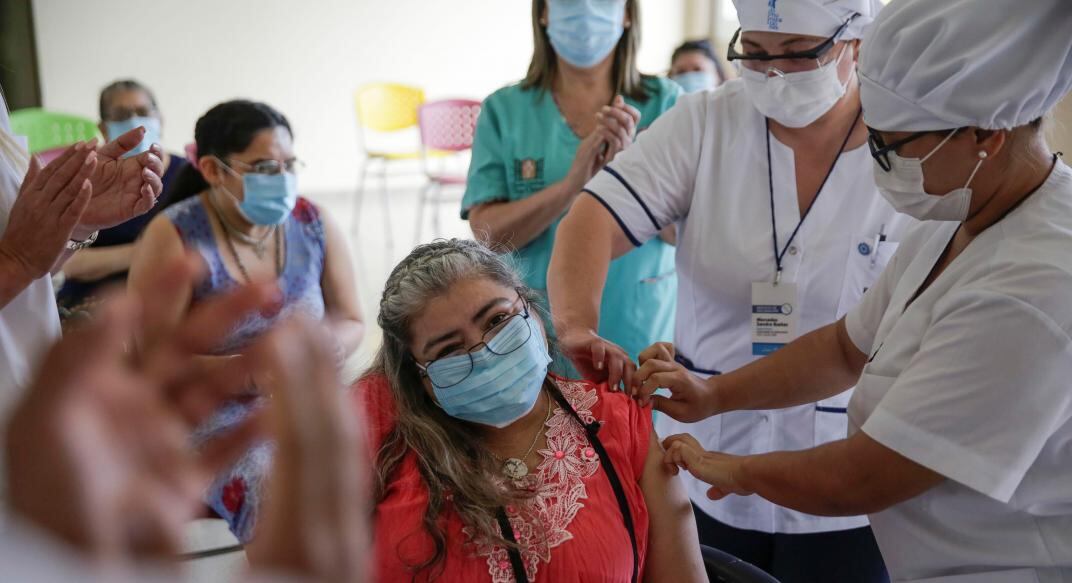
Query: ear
point(990, 141)
point(210, 169)
point(544, 16)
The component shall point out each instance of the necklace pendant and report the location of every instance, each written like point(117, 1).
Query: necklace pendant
point(515, 469)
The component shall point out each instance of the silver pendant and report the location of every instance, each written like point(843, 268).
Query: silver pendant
point(515, 469)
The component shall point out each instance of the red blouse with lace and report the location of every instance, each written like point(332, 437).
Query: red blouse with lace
point(571, 530)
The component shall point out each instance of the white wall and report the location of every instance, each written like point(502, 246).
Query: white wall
point(305, 58)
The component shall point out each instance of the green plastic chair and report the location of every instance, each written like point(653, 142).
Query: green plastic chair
point(48, 130)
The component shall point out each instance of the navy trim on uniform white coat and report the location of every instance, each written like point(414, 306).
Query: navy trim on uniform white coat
point(687, 363)
point(831, 409)
point(636, 242)
point(639, 200)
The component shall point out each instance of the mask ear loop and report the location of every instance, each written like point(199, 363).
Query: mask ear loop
point(939, 146)
point(982, 158)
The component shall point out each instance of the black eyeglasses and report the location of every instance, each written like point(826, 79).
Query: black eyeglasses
point(447, 371)
point(880, 151)
point(733, 54)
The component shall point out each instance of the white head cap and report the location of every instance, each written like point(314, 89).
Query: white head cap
point(811, 17)
point(930, 65)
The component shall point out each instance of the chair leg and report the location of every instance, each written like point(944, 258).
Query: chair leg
point(388, 231)
point(422, 199)
point(359, 196)
point(437, 209)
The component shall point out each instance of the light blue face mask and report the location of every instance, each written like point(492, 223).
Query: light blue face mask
point(268, 199)
point(501, 388)
point(695, 81)
point(152, 132)
point(584, 32)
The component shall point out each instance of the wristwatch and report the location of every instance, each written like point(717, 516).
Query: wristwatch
point(73, 245)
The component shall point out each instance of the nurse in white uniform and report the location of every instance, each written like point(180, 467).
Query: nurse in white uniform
point(781, 230)
point(960, 445)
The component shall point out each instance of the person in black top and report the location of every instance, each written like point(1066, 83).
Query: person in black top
point(124, 105)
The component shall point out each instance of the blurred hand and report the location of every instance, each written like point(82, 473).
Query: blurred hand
point(50, 204)
point(598, 359)
point(619, 122)
point(98, 450)
point(123, 188)
point(718, 469)
point(691, 398)
point(588, 160)
point(314, 522)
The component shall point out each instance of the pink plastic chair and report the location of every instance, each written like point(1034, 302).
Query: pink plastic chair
point(446, 126)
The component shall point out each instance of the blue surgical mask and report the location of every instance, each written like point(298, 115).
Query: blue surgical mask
point(501, 388)
point(584, 32)
point(152, 132)
point(695, 81)
point(268, 199)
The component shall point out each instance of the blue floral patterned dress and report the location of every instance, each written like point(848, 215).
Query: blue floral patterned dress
point(235, 494)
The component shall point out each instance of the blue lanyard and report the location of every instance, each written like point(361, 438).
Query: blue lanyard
point(770, 183)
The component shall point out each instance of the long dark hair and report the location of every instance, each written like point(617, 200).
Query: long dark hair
point(225, 129)
point(627, 80)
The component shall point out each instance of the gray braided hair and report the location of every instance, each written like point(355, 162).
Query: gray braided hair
point(431, 269)
point(450, 455)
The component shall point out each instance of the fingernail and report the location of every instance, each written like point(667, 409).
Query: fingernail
point(92, 157)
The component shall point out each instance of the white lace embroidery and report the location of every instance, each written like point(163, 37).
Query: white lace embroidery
point(541, 523)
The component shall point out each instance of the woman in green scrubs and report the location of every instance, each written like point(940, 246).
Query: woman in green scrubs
point(539, 141)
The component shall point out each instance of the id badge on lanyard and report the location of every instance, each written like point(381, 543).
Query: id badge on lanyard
point(775, 317)
point(775, 313)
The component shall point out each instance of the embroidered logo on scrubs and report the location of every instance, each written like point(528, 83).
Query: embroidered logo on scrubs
point(773, 20)
point(528, 169)
point(864, 249)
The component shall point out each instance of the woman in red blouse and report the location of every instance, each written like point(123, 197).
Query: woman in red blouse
point(491, 469)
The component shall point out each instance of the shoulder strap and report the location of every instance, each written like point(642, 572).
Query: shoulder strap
point(515, 556)
point(616, 484)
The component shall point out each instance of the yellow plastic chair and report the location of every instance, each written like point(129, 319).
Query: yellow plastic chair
point(384, 108)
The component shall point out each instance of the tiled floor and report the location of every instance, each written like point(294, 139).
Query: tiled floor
point(373, 261)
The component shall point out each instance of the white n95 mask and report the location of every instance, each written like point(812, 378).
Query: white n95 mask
point(795, 100)
point(902, 187)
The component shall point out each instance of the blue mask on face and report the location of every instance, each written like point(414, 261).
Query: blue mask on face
point(694, 81)
point(501, 388)
point(269, 198)
point(584, 32)
point(152, 132)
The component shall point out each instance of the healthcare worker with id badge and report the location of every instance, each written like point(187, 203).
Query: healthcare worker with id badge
point(960, 441)
point(781, 230)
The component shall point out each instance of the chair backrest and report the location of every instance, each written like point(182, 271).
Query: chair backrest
point(448, 125)
point(725, 568)
point(388, 107)
point(49, 130)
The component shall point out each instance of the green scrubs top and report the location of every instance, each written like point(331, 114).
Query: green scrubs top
point(523, 145)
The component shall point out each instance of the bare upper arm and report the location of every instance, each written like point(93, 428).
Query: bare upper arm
point(158, 245)
point(337, 282)
point(589, 218)
point(673, 543)
point(854, 359)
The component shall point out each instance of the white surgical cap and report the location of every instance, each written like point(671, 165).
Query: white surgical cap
point(999, 64)
point(811, 17)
